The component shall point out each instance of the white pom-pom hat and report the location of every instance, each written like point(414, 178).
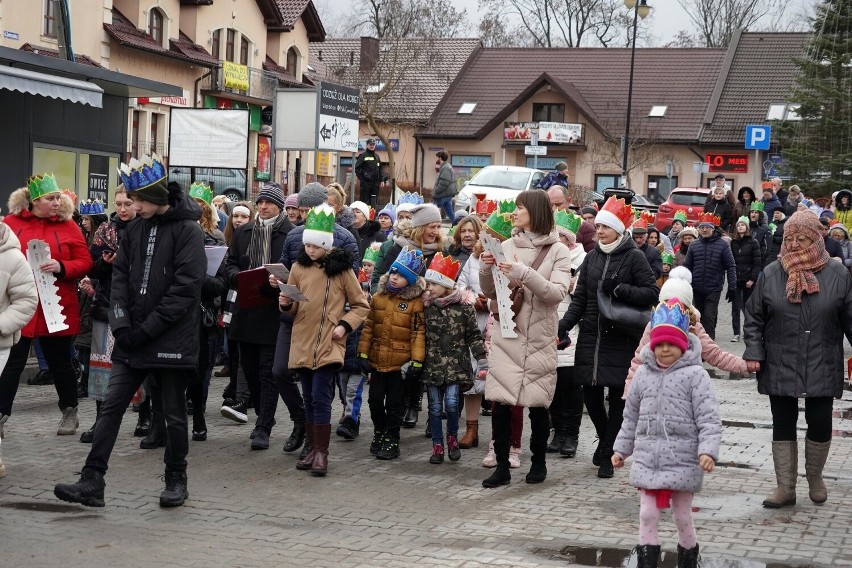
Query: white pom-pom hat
point(679, 285)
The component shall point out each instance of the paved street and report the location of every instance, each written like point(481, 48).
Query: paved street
point(255, 509)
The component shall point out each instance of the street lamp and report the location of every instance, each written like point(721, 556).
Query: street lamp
point(640, 11)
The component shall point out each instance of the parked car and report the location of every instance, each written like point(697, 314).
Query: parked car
point(691, 200)
point(227, 182)
point(497, 183)
point(642, 203)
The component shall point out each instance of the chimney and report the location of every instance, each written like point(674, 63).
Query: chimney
point(369, 53)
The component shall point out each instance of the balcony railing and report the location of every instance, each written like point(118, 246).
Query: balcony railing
point(261, 84)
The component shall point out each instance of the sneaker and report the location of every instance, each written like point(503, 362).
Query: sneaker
point(43, 377)
point(89, 491)
point(223, 372)
point(453, 448)
point(437, 454)
point(237, 413)
point(389, 449)
point(69, 423)
point(175, 493)
point(348, 430)
point(515, 457)
point(490, 459)
point(735, 338)
point(376, 444)
point(260, 440)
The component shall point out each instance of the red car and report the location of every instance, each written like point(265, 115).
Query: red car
point(690, 200)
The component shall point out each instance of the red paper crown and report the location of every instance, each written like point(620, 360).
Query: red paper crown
point(443, 269)
point(620, 209)
point(648, 216)
point(71, 195)
point(486, 206)
point(707, 217)
point(640, 223)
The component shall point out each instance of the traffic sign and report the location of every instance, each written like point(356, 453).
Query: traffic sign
point(757, 136)
point(535, 150)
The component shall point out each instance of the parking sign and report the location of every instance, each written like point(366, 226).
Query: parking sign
point(757, 136)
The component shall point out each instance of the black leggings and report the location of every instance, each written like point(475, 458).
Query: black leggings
point(606, 424)
point(785, 413)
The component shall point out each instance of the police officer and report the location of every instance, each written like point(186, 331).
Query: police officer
point(368, 168)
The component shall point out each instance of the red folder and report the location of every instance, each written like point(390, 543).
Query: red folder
point(253, 289)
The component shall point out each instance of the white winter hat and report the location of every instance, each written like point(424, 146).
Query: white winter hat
point(679, 285)
point(362, 207)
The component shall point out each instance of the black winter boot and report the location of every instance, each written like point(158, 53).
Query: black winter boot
point(175, 492)
point(376, 444)
point(157, 436)
point(573, 418)
point(89, 491)
point(687, 558)
point(501, 476)
point(348, 430)
point(296, 438)
point(306, 449)
point(647, 555)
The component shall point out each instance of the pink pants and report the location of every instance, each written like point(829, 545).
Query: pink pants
point(649, 519)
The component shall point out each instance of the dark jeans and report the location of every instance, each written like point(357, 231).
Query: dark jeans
point(123, 382)
point(606, 425)
point(370, 192)
point(385, 402)
point(741, 296)
point(285, 379)
point(785, 413)
point(257, 363)
point(501, 426)
point(566, 410)
point(56, 350)
point(318, 389)
point(445, 204)
point(708, 305)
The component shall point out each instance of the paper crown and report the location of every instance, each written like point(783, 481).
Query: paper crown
point(680, 215)
point(757, 206)
point(319, 227)
point(40, 186)
point(615, 211)
point(766, 185)
point(409, 200)
point(142, 173)
point(71, 195)
point(485, 206)
point(707, 217)
point(649, 217)
point(668, 258)
point(409, 263)
point(443, 270)
point(91, 207)
point(640, 224)
point(772, 228)
point(567, 220)
point(371, 254)
point(743, 219)
point(202, 191)
point(499, 224)
point(671, 316)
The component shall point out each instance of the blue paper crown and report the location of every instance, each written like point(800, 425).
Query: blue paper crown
point(672, 313)
point(91, 207)
point(409, 263)
point(142, 173)
point(411, 198)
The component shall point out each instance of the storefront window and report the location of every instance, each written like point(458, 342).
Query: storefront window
point(89, 175)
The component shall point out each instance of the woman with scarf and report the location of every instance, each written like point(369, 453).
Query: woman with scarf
point(798, 314)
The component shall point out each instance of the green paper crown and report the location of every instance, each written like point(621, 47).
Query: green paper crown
point(506, 206)
point(320, 218)
point(567, 220)
point(668, 258)
point(452, 231)
point(680, 216)
point(371, 255)
point(757, 206)
point(772, 228)
point(743, 219)
point(202, 191)
point(40, 186)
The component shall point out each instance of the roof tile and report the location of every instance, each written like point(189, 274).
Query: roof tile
point(125, 33)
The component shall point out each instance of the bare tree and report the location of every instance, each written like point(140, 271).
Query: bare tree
point(407, 18)
point(717, 20)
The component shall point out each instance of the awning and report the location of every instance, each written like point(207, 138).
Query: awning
point(53, 86)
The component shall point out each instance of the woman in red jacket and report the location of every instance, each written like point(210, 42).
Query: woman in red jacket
point(41, 212)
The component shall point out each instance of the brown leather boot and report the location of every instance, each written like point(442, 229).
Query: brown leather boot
point(471, 436)
point(815, 455)
point(785, 457)
point(322, 433)
point(308, 461)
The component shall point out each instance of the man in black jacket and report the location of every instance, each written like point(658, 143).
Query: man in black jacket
point(368, 169)
point(709, 259)
point(640, 237)
point(154, 309)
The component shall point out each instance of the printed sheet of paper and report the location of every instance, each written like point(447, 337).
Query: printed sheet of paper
point(279, 271)
point(293, 293)
point(501, 283)
point(38, 252)
point(215, 255)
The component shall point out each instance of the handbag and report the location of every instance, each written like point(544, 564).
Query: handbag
point(208, 317)
point(516, 289)
point(619, 313)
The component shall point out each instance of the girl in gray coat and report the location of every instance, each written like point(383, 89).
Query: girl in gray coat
point(672, 428)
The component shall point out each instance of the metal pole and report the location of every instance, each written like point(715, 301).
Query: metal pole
point(626, 140)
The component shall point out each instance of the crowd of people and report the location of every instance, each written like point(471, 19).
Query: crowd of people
point(317, 300)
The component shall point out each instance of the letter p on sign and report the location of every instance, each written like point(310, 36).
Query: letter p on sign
point(757, 136)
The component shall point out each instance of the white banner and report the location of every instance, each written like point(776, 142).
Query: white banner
point(209, 138)
point(561, 132)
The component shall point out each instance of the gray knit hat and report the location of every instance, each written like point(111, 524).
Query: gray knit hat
point(425, 214)
point(313, 194)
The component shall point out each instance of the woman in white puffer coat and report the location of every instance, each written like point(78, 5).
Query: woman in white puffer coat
point(566, 410)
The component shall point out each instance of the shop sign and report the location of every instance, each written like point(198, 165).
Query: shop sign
point(737, 163)
point(560, 132)
point(235, 77)
point(458, 160)
point(380, 146)
point(98, 178)
point(519, 132)
point(546, 162)
point(324, 164)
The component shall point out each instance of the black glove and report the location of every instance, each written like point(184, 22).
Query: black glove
point(730, 294)
point(129, 339)
point(364, 364)
point(564, 343)
point(609, 286)
point(414, 372)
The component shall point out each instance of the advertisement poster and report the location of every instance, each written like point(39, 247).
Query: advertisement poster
point(519, 132)
point(98, 179)
point(560, 132)
point(264, 159)
point(235, 76)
